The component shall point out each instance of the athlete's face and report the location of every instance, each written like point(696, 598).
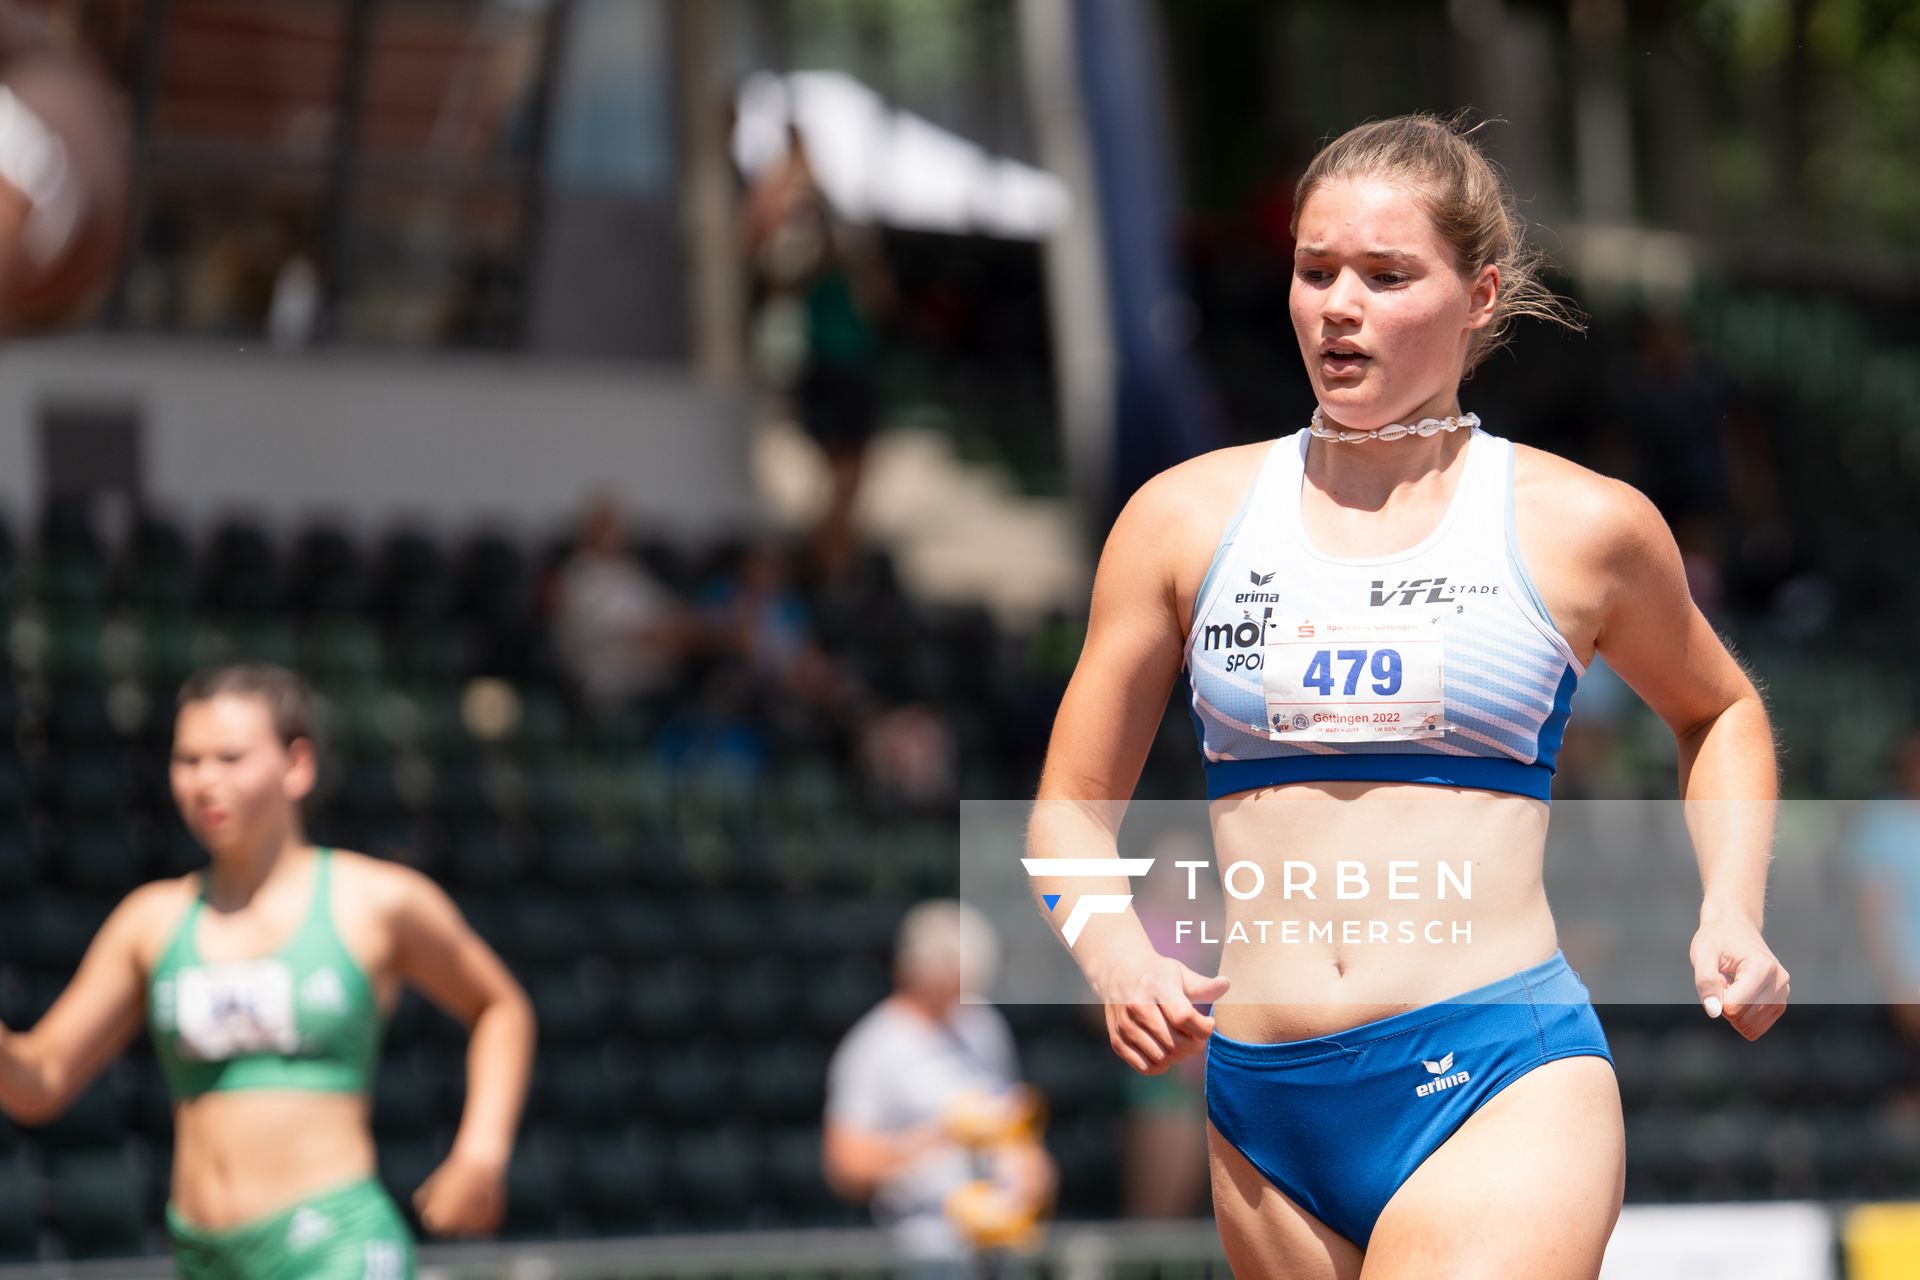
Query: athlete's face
point(238, 786)
point(1381, 310)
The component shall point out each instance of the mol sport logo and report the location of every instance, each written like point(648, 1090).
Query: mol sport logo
point(1249, 633)
point(1092, 904)
point(1426, 591)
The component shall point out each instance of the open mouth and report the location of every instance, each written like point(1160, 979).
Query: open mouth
point(1341, 357)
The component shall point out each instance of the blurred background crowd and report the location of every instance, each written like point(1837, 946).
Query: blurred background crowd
point(849, 324)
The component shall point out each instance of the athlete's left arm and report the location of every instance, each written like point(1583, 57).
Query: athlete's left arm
point(439, 954)
point(1651, 633)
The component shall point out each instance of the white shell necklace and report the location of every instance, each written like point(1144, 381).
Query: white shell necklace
point(1394, 431)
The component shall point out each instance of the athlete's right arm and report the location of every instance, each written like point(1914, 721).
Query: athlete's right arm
point(1107, 720)
point(43, 1070)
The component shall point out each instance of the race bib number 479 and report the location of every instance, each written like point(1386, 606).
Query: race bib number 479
point(1354, 678)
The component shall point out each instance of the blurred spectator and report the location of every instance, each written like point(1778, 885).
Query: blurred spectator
point(1675, 408)
point(755, 615)
point(1885, 857)
point(821, 288)
point(908, 754)
point(620, 634)
point(923, 1116)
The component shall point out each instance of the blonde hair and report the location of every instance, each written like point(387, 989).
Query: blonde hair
point(1468, 201)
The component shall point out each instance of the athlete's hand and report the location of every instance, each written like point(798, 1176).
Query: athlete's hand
point(1737, 976)
point(1151, 1021)
point(464, 1197)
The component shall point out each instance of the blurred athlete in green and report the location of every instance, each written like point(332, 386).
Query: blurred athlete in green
point(265, 981)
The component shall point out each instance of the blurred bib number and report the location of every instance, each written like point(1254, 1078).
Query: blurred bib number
point(225, 1011)
point(1354, 678)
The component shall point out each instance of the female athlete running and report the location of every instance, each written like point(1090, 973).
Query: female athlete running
point(1381, 648)
point(265, 981)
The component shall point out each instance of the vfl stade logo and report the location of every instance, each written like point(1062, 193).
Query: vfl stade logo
point(1425, 591)
point(1445, 1081)
point(1093, 904)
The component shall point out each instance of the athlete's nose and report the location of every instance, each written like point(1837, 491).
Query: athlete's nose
point(1342, 298)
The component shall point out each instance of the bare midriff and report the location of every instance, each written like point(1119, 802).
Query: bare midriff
point(242, 1156)
point(1324, 965)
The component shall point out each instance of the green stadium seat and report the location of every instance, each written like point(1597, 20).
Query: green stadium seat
point(21, 1197)
point(99, 1203)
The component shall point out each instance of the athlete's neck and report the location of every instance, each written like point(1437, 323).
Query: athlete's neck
point(1367, 473)
point(234, 878)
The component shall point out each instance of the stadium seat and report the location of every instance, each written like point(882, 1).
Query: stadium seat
point(96, 1121)
point(621, 1178)
point(690, 1084)
point(99, 1203)
point(20, 1204)
point(100, 857)
point(407, 1100)
point(404, 1165)
point(756, 997)
point(715, 1174)
point(665, 998)
point(783, 1081)
point(840, 992)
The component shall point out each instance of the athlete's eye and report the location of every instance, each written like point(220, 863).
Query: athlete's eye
point(1391, 278)
point(1312, 275)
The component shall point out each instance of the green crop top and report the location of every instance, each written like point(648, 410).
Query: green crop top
point(302, 1018)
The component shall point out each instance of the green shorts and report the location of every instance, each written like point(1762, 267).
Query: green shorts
point(352, 1233)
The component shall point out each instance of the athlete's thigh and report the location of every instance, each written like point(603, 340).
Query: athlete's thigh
point(1267, 1235)
point(1529, 1186)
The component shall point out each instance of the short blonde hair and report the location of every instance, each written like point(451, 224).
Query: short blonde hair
point(944, 935)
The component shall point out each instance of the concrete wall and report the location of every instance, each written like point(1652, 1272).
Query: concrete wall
point(371, 439)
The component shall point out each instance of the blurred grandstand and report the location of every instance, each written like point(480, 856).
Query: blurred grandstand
point(700, 902)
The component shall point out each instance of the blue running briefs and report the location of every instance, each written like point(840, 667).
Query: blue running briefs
point(1340, 1121)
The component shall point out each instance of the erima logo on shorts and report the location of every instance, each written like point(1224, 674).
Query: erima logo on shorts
point(308, 1228)
point(1441, 1069)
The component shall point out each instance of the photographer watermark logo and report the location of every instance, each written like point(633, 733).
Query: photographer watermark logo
point(1093, 904)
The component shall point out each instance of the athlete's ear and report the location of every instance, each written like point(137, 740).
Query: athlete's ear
point(1483, 296)
point(302, 769)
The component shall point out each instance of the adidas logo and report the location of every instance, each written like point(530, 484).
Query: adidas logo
point(1448, 1077)
point(323, 991)
point(308, 1228)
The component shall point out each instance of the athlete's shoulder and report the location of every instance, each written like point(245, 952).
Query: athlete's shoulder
point(160, 898)
point(1591, 511)
point(1194, 498)
point(147, 917)
point(380, 884)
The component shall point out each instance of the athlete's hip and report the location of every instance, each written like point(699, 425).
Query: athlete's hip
point(1301, 978)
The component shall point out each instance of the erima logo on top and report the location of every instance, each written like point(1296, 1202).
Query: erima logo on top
point(1258, 597)
point(1426, 591)
point(1441, 1069)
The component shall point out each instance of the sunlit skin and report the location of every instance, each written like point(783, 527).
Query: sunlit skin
point(1381, 309)
point(243, 1155)
point(1384, 315)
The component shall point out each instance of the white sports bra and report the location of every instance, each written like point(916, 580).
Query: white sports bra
point(1438, 664)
